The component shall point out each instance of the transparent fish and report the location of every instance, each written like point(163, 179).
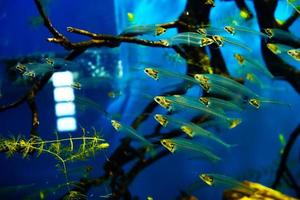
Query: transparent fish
point(286, 53)
point(189, 128)
point(217, 180)
point(280, 34)
point(208, 81)
point(215, 103)
point(294, 53)
point(143, 29)
point(190, 39)
point(252, 78)
point(232, 30)
point(278, 48)
point(156, 73)
point(216, 84)
point(130, 132)
point(21, 68)
point(60, 64)
point(177, 101)
point(221, 41)
point(184, 145)
point(250, 63)
point(257, 102)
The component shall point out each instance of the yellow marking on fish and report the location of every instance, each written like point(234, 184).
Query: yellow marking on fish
point(294, 53)
point(203, 80)
point(274, 48)
point(204, 100)
point(117, 125)
point(187, 130)
point(209, 180)
point(161, 119)
point(163, 102)
point(152, 73)
point(234, 123)
point(250, 77)
point(202, 31)
point(160, 30)
point(168, 144)
point(50, 61)
point(230, 29)
point(21, 68)
point(219, 40)
point(254, 102)
point(239, 58)
point(206, 41)
point(269, 32)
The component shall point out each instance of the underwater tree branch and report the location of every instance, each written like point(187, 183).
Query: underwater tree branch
point(34, 115)
point(265, 15)
point(284, 158)
point(241, 4)
point(289, 21)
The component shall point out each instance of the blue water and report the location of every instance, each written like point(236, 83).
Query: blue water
point(257, 140)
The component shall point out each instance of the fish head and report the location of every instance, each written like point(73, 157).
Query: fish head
point(204, 100)
point(239, 58)
point(168, 144)
point(162, 101)
point(201, 31)
point(206, 41)
point(269, 32)
point(203, 80)
point(151, 72)
point(295, 53)
point(234, 123)
point(49, 61)
point(161, 119)
point(254, 102)
point(229, 29)
point(160, 30)
point(209, 180)
point(219, 40)
point(187, 130)
point(117, 125)
point(274, 48)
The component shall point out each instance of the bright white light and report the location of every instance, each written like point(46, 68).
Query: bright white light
point(120, 69)
point(63, 109)
point(62, 79)
point(64, 94)
point(66, 124)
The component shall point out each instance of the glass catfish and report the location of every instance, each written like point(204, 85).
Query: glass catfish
point(218, 179)
point(190, 39)
point(180, 102)
point(189, 128)
point(136, 30)
point(179, 144)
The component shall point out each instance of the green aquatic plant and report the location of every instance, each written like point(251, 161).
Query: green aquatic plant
point(63, 149)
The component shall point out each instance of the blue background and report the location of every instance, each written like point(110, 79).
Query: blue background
point(257, 137)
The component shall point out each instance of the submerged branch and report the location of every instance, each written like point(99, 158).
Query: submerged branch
point(284, 158)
